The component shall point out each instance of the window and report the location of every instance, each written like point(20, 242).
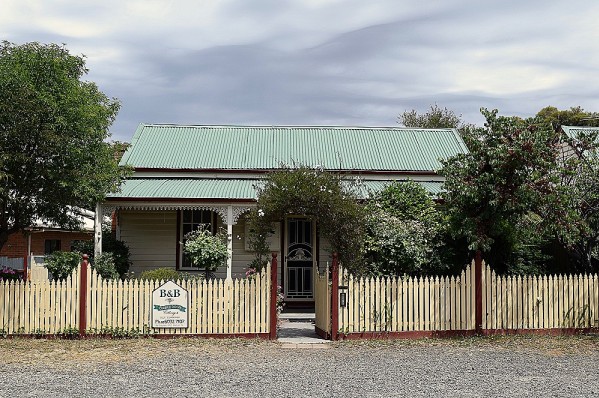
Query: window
point(190, 221)
point(51, 246)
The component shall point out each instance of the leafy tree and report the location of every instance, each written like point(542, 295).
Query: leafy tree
point(52, 131)
point(493, 192)
point(575, 116)
point(405, 232)
point(436, 117)
point(577, 221)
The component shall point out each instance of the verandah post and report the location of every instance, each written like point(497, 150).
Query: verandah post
point(478, 290)
point(273, 297)
point(83, 296)
point(335, 299)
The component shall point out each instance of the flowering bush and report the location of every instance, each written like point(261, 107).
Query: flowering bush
point(326, 198)
point(280, 300)
point(9, 274)
point(206, 250)
point(404, 232)
point(250, 273)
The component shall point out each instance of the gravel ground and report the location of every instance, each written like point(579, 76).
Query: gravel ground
point(514, 366)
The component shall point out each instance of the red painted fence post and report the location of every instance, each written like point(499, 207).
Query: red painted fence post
point(83, 296)
point(478, 290)
point(335, 299)
point(273, 297)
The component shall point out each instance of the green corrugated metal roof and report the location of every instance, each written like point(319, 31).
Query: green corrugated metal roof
point(264, 147)
point(222, 188)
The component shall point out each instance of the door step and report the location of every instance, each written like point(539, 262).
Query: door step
point(297, 316)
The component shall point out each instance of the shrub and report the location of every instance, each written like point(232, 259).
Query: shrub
point(118, 248)
point(205, 250)
point(104, 266)
point(404, 232)
point(160, 274)
point(62, 264)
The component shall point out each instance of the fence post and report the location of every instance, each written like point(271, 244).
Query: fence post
point(478, 290)
point(335, 299)
point(25, 276)
point(83, 296)
point(273, 297)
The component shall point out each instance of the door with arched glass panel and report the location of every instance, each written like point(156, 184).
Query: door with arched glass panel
point(299, 259)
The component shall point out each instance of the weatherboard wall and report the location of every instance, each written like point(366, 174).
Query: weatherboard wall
point(151, 237)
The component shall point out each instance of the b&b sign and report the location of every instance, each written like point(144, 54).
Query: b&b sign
point(169, 306)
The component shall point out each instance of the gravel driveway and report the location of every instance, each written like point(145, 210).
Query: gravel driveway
point(515, 366)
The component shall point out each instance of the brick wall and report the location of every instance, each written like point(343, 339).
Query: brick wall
point(16, 246)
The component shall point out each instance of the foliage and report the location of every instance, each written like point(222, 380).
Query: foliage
point(577, 224)
point(508, 174)
point(405, 232)
point(62, 264)
point(69, 332)
point(575, 116)
point(436, 117)
point(160, 274)
point(9, 274)
point(117, 248)
point(53, 127)
point(205, 250)
point(322, 196)
point(105, 267)
point(170, 274)
point(119, 332)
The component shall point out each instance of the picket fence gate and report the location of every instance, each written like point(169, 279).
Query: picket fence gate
point(216, 307)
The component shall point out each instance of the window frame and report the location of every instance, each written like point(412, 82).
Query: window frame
point(211, 215)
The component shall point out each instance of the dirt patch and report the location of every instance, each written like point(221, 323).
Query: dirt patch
point(105, 351)
point(550, 345)
point(93, 351)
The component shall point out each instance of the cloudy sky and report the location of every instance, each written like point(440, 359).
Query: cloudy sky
point(333, 62)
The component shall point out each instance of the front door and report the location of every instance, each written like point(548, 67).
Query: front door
point(300, 259)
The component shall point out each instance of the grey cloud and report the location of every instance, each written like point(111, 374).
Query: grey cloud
point(407, 56)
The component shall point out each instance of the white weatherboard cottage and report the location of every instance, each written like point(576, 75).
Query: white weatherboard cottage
point(185, 176)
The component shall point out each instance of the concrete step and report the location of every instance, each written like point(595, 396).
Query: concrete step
point(297, 316)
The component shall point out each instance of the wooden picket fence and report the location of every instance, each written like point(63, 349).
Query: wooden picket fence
point(40, 307)
point(396, 304)
point(425, 305)
point(539, 302)
point(216, 307)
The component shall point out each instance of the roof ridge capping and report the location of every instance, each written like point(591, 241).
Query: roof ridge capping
point(292, 126)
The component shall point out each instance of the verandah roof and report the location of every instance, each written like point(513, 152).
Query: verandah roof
point(222, 188)
point(267, 147)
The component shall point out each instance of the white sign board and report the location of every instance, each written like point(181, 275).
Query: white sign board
point(170, 306)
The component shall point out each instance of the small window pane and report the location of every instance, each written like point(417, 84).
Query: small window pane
point(51, 246)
